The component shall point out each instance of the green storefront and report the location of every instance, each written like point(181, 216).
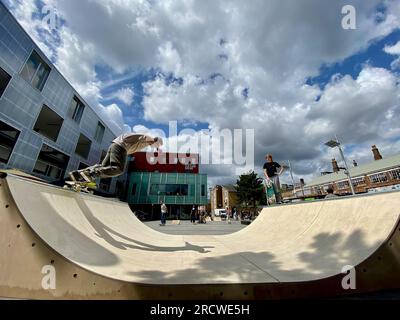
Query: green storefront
point(179, 191)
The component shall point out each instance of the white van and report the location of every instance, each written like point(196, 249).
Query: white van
point(220, 213)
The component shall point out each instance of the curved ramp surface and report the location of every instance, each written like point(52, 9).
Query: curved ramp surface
point(99, 249)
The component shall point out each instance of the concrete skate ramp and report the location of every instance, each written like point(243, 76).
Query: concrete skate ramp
point(99, 249)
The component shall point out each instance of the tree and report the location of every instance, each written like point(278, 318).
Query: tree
point(250, 189)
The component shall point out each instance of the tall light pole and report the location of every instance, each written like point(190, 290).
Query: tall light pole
point(291, 174)
point(336, 143)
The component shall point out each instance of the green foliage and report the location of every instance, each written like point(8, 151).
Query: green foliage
point(250, 189)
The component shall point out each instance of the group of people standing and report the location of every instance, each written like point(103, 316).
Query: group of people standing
point(197, 215)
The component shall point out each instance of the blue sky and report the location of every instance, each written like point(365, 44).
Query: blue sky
point(373, 55)
point(288, 71)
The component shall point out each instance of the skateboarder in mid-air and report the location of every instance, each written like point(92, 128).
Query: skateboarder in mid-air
point(114, 162)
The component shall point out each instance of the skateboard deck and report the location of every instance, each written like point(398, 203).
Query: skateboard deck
point(81, 186)
point(84, 174)
point(270, 192)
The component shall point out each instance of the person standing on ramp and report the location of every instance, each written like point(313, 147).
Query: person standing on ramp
point(114, 163)
point(272, 171)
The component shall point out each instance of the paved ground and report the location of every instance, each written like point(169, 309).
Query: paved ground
point(185, 227)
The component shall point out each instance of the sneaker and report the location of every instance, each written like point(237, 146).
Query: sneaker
point(85, 176)
point(75, 176)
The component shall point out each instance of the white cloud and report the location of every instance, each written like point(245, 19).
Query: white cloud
point(125, 95)
point(394, 50)
point(222, 49)
point(395, 64)
point(36, 28)
point(113, 115)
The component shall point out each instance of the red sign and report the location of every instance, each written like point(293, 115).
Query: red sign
point(164, 162)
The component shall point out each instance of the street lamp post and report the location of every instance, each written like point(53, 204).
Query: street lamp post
point(336, 143)
point(291, 175)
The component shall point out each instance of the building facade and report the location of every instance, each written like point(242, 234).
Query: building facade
point(172, 178)
point(382, 174)
point(223, 197)
point(46, 128)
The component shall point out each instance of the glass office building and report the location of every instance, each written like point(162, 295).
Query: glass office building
point(46, 128)
point(179, 185)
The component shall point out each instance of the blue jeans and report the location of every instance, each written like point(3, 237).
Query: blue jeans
point(162, 218)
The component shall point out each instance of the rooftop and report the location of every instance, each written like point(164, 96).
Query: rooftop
point(230, 187)
point(361, 170)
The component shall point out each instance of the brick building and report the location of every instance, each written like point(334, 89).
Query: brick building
point(380, 174)
point(222, 197)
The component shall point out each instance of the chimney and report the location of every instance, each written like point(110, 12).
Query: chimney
point(335, 166)
point(355, 164)
point(375, 151)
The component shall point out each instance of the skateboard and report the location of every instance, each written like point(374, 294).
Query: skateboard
point(84, 174)
point(270, 192)
point(81, 186)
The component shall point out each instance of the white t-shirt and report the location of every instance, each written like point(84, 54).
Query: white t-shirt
point(133, 142)
point(164, 208)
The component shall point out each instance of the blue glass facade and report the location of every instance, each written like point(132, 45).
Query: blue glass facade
point(179, 191)
point(25, 95)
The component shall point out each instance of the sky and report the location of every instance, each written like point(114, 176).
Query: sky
point(286, 69)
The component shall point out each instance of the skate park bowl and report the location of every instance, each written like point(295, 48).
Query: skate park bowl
point(59, 244)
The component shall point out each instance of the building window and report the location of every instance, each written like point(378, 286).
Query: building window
point(378, 178)
point(395, 174)
point(82, 166)
point(105, 184)
point(343, 185)
point(358, 181)
point(76, 109)
point(103, 155)
point(203, 190)
point(4, 80)
point(51, 163)
point(326, 187)
point(169, 189)
point(83, 146)
point(36, 71)
point(99, 132)
point(48, 123)
point(8, 139)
